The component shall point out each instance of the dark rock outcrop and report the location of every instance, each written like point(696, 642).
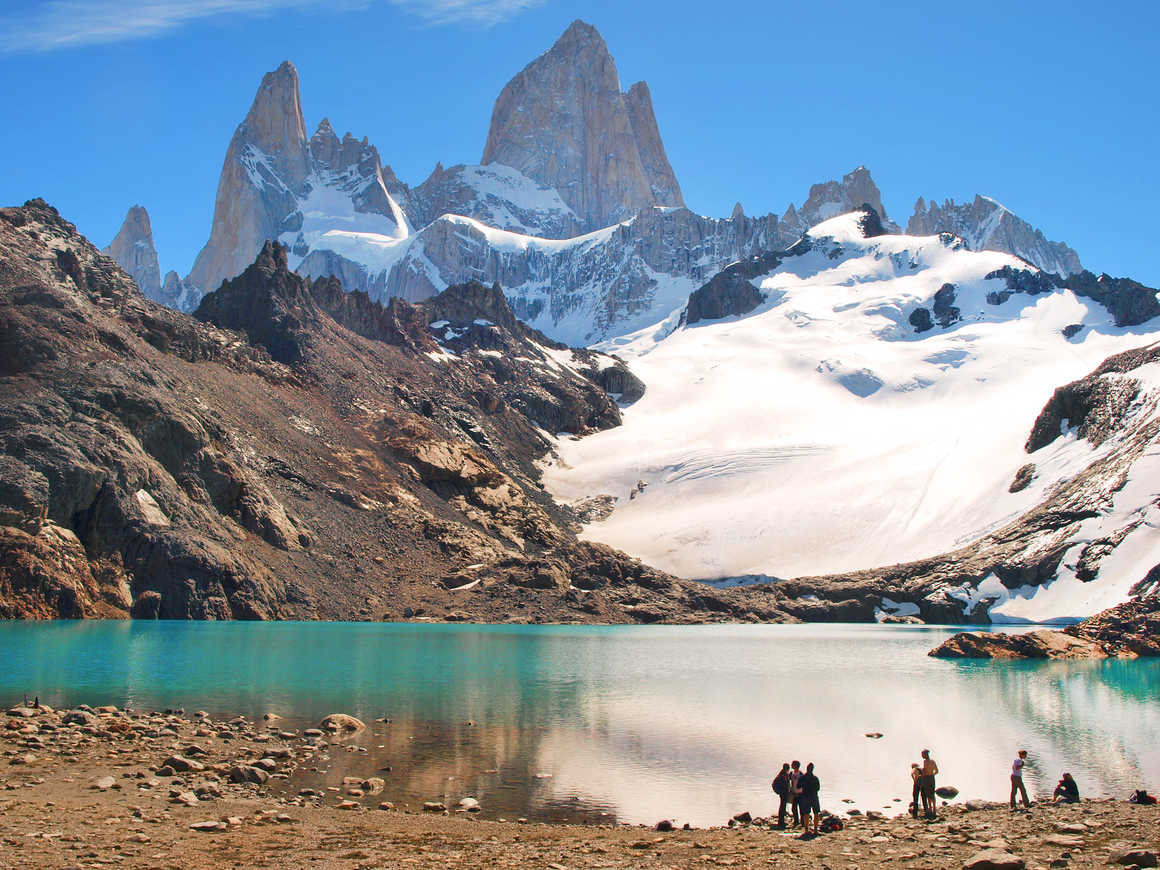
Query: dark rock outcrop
point(1129, 302)
point(1094, 405)
point(730, 292)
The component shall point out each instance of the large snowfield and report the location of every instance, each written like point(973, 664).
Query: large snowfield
point(820, 433)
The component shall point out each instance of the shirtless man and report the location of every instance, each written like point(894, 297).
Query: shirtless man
point(926, 782)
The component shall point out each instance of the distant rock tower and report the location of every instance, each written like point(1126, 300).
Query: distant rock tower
point(132, 249)
point(564, 122)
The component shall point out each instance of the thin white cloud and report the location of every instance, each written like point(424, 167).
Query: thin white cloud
point(61, 24)
point(484, 12)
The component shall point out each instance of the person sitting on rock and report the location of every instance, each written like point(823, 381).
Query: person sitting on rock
point(1067, 792)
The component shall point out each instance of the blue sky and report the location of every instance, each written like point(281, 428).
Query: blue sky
point(1051, 107)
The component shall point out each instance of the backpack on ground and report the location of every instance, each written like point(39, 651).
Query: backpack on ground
point(831, 824)
point(1141, 796)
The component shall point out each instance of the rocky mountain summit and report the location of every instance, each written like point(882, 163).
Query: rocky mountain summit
point(132, 249)
point(986, 225)
point(563, 121)
point(273, 173)
point(295, 451)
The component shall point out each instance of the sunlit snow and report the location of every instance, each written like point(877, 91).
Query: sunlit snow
point(821, 433)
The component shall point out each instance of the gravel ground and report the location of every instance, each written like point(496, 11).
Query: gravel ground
point(87, 789)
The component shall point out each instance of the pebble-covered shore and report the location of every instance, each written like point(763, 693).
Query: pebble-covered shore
point(105, 787)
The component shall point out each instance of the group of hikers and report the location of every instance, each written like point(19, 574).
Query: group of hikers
point(798, 791)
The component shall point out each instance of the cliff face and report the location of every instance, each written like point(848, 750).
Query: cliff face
point(297, 452)
point(985, 225)
point(564, 122)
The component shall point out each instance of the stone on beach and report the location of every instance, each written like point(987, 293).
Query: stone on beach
point(994, 859)
point(341, 723)
point(183, 765)
point(1138, 857)
point(248, 773)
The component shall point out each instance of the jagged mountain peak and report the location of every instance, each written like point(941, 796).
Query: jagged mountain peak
point(132, 249)
point(267, 302)
point(275, 124)
point(580, 36)
point(276, 184)
point(984, 223)
point(563, 122)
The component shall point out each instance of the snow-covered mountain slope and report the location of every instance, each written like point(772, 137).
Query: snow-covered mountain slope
point(987, 225)
point(834, 427)
point(496, 195)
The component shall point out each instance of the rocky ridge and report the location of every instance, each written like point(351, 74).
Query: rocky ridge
point(297, 452)
point(986, 225)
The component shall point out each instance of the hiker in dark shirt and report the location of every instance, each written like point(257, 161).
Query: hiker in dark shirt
point(781, 789)
point(1067, 792)
point(810, 785)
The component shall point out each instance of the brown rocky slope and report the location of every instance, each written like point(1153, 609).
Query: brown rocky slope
point(294, 452)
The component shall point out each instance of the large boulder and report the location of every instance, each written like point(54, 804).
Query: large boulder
point(1042, 644)
point(341, 724)
point(994, 859)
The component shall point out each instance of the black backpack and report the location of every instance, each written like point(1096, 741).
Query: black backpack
point(781, 785)
point(1140, 796)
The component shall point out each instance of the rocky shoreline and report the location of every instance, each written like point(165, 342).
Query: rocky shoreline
point(1129, 630)
point(105, 787)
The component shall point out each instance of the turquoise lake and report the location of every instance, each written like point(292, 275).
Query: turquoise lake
point(629, 724)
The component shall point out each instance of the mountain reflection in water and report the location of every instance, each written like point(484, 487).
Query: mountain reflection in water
point(622, 723)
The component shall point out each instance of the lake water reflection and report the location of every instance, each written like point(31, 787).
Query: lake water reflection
point(626, 723)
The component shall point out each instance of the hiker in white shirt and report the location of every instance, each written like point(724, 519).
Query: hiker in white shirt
point(1017, 778)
